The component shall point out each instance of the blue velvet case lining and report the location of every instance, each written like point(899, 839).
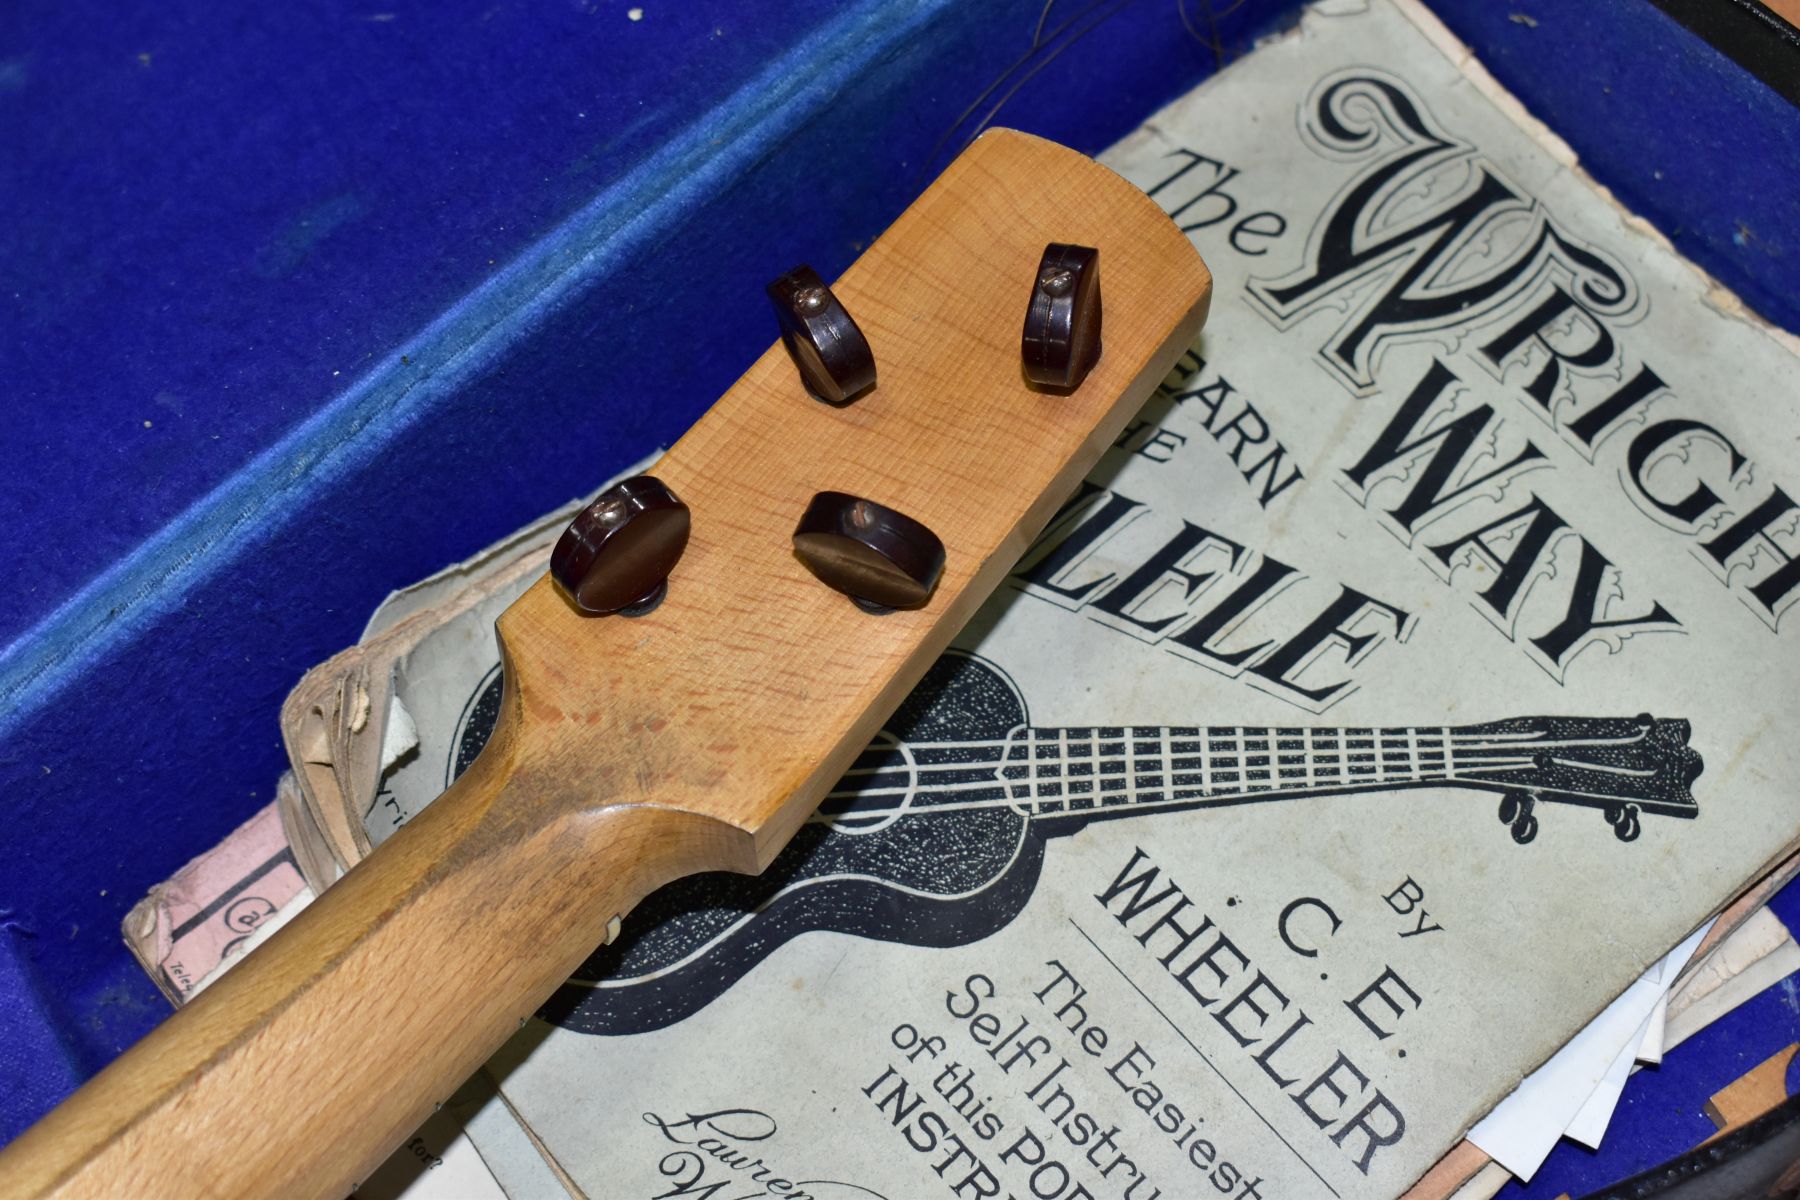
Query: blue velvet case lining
point(284, 286)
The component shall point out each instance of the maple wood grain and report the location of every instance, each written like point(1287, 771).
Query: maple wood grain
point(697, 737)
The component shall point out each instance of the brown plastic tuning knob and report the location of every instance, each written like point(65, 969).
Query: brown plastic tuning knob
point(834, 358)
point(1062, 323)
point(617, 553)
point(879, 558)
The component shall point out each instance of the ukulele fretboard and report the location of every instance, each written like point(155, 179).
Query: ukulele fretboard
point(1056, 770)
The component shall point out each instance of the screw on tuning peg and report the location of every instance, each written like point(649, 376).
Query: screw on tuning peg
point(879, 558)
point(833, 357)
point(1062, 322)
point(617, 553)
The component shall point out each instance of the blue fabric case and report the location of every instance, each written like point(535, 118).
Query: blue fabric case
point(283, 286)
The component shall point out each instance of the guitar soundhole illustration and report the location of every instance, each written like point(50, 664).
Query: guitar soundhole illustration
point(935, 834)
point(878, 789)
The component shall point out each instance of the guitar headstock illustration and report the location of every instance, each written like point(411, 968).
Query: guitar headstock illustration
point(1623, 766)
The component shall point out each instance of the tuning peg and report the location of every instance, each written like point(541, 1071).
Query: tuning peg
point(1515, 811)
point(879, 558)
point(1624, 821)
point(834, 358)
point(617, 553)
point(1062, 322)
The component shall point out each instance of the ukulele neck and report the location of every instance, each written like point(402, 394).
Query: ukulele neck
point(1088, 771)
point(1116, 770)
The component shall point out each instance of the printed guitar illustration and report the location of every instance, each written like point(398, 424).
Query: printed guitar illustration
point(935, 836)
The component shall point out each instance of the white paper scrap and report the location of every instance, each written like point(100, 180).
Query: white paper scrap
point(1590, 1121)
point(1523, 1128)
point(439, 1162)
point(1650, 1050)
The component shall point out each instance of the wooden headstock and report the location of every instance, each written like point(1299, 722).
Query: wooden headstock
point(696, 737)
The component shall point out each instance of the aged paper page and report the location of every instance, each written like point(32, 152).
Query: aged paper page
point(1409, 680)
